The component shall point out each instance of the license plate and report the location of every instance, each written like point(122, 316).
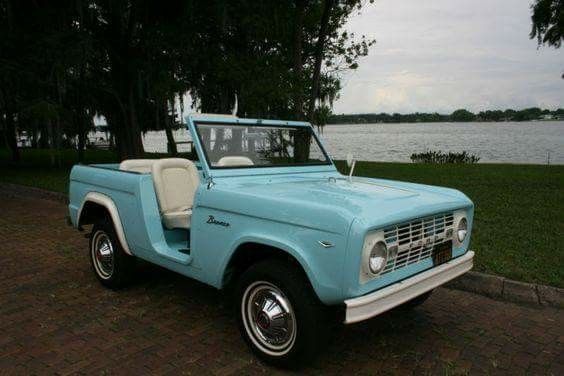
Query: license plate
point(442, 253)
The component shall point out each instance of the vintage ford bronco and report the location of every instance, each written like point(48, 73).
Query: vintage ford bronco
point(263, 209)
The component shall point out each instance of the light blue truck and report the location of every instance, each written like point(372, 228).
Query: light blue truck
point(262, 209)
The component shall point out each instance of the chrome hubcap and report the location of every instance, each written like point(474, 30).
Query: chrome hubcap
point(269, 318)
point(103, 254)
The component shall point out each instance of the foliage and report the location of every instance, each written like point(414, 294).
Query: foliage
point(526, 114)
point(548, 22)
point(462, 115)
point(438, 157)
point(131, 61)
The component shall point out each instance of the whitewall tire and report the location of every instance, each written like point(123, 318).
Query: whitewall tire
point(279, 315)
point(111, 265)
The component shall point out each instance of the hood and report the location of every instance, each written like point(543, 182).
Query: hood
point(332, 203)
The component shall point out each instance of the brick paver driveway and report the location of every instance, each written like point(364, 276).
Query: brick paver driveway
point(56, 318)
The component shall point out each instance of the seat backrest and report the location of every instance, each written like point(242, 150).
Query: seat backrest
point(137, 165)
point(176, 181)
point(235, 161)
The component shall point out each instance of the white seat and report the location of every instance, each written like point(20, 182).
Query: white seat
point(177, 219)
point(235, 161)
point(176, 181)
point(137, 165)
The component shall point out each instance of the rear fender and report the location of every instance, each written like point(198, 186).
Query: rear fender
point(106, 202)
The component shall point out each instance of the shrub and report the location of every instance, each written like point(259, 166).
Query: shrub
point(440, 157)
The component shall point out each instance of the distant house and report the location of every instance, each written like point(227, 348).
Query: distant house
point(546, 117)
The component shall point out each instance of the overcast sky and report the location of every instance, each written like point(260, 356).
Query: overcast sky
point(441, 55)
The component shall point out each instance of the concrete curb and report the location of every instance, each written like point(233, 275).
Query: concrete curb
point(480, 283)
point(506, 289)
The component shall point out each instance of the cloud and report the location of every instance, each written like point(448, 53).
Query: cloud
point(441, 55)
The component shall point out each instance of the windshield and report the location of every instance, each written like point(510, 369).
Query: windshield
point(237, 146)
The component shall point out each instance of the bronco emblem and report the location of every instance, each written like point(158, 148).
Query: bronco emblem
point(211, 220)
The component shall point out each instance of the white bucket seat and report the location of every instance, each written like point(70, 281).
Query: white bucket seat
point(176, 181)
point(137, 165)
point(235, 161)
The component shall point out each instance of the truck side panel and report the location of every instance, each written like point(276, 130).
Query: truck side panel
point(215, 244)
point(212, 245)
point(136, 202)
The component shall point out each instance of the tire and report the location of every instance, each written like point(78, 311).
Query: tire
point(304, 321)
point(415, 302)
point(111, 265)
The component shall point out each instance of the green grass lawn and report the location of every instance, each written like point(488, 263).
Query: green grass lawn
point(519, 218)
point(34, 169)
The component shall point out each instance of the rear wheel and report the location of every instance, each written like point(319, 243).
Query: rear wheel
point(112, 266)
point(279, 315)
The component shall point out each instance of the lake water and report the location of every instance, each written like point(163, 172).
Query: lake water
point(509, 142)
point(513, 142)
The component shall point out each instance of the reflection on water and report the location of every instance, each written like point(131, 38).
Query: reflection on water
point(524, 142)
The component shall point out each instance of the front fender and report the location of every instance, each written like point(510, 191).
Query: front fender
point(322, 268)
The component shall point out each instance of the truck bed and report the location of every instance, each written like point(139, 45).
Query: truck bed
point(136, 202)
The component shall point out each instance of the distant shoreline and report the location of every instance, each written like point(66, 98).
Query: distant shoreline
point(458, 116)
point(450, 122)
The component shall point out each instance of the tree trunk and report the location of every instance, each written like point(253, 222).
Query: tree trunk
point(124, 76)
point(81, 130)
point(43, 142)
point(50, 142)
point(168, 121)
point(303, 138)
point(80, 147)
point(319, 54)
point(35, 136)
point(126, 129)
point(297, 59)
point(58, 137)
point(171, 144)
point(219, 139)
point(81, 116)
point(134, 136)
point(11, 137)
point(236, 144)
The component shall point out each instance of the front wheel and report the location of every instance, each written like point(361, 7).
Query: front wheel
point(279, 315)
point(112, 266)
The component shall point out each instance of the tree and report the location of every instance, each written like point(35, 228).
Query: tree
point(319, 55)
point(64, 62)
point(548, 22)
point(462, 115)
point(44, 71)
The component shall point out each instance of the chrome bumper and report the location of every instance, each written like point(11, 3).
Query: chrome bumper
point(367, 306)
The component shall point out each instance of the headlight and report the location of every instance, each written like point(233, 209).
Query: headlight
point(374, 257)
point(378, 257)
point(462, 229)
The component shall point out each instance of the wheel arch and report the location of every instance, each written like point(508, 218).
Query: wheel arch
point(95, 205)
point(252, 250)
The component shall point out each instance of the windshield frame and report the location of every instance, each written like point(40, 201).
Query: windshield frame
point(258, 123)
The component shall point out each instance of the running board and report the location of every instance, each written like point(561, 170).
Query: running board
point(182, 256)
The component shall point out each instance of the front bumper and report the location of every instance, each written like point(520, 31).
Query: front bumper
point(367, 306)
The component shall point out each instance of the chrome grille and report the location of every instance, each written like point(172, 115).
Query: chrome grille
point(414, 240)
